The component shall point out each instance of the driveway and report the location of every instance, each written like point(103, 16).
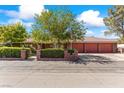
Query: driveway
point(101, 58)
point(99, 70)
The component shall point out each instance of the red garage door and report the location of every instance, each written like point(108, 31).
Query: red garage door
point(105, 48)
point(91, 48)
point(79, 47)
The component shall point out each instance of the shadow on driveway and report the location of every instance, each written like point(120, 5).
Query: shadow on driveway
point(85, 59)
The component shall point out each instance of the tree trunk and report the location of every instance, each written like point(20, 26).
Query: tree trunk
point(38, 46)
point(122, 38)
point(123, 34)
point(59, 44)
point(11, 44)
point(55, 45)
point(71, 44)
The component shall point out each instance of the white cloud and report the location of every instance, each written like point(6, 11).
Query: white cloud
point(11, 21)
point(102, 34)
point(112, 36)
point(27, 11)
point(10, 13)
point(91, 17)
point(89, 33)
point(103, 31)
point(26, 24)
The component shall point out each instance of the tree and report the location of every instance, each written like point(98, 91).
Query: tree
point(40, 37)
point(61, 25)
point(38, 34)
point(12, 33)
point(77, 31)
point(115, 21)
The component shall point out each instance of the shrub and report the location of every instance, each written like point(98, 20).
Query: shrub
point(11, 52)
point(71, 50)
point(52, 53)
point(33, 51)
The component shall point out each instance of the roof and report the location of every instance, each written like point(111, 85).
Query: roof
point(29, 40)
point(87, 40)
point(97, 40)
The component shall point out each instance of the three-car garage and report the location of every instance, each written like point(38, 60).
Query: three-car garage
point(96, 45)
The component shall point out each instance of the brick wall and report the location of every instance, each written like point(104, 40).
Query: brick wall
point(23, 54)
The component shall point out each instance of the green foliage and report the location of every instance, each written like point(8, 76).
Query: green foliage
point(71, 50)
point(11, 52)
point(40, 36)
point(12, 33)
point(115, 21)
point(61, 27)
point(52, 53)
point(121, 40)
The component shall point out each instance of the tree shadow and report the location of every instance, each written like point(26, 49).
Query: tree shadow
point(86, 59)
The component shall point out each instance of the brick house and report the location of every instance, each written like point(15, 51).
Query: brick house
point(88, 45)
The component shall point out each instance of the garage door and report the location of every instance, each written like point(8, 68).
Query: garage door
point(105, 48)
point(79, 47)
point(91, 48)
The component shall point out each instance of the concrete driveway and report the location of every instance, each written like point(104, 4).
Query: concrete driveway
point(100, 70)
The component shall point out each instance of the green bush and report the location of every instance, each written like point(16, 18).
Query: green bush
point(71, 50)
point(12, 52)
point(33, 51)
point(52, 53)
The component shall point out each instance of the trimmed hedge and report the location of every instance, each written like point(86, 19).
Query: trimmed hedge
point(12, 52)
point(71, 50)
point(52, 53)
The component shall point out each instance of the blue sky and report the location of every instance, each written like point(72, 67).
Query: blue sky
point(92, 15)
